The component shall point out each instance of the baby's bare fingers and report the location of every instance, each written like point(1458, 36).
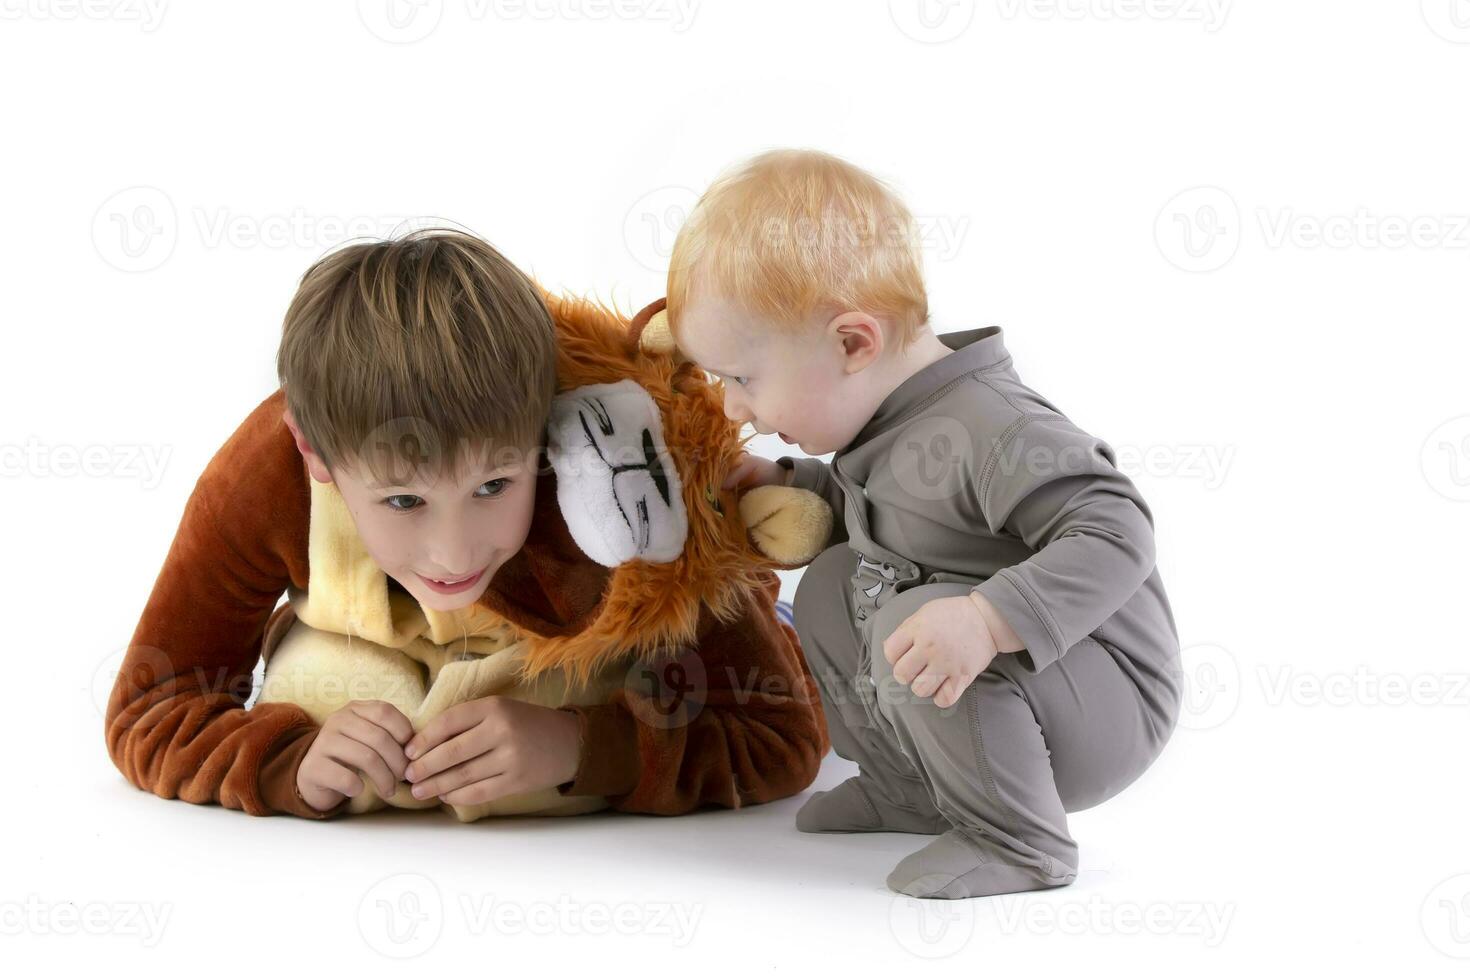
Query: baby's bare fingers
point(949, 692)
point(927, 683)
point(738, 473)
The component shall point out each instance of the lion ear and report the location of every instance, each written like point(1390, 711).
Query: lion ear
point(649, 331)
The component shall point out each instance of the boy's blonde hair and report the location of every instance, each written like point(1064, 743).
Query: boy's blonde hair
point(792, 233)
point(413, 350)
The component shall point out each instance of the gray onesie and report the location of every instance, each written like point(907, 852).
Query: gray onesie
point(964, 478)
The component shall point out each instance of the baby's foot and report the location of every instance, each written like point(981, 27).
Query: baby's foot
point(857, 806)
point(953, 865)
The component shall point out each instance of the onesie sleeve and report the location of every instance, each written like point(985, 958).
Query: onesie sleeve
point(175, 723)
point(1058, 489)
point(734, 720)
point(810, 473)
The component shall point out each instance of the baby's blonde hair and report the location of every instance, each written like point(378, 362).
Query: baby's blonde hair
point(791, 233)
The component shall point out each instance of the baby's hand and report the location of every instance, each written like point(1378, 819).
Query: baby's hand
point(941, 649)
point(754, 471)
point(360, 736)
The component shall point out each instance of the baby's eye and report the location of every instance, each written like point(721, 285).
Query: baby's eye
point(738, 379)
point(402, 502)
point(498, 486)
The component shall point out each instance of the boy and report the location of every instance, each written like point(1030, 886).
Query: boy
point(991, 638)
point(417, 377)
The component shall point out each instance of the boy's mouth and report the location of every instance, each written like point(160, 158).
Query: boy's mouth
point(450, 586)
point(786, 439)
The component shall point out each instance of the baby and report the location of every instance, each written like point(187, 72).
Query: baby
point(992, 641)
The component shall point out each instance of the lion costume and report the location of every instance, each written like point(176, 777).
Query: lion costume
point(643, 600)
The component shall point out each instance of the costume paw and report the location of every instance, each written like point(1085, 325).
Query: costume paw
point(788, 525)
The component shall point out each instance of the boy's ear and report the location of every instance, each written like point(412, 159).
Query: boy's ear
point(319, 471)
point(649, 331)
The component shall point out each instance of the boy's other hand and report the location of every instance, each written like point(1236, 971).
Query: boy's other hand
point(491, 747)
point(359, 737)
point(754, 471)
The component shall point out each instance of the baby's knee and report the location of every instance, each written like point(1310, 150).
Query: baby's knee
point(819, 604)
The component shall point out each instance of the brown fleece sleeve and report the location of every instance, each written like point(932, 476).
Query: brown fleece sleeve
point(175, 723)
point(733, 721)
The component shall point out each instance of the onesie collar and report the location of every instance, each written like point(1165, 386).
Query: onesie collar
point(976, 349)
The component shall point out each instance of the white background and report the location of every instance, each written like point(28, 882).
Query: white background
point(1229, 238)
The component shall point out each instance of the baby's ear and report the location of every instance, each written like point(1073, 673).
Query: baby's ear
point(649, 331)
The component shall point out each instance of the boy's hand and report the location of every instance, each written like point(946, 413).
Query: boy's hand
point(491, 747)
point(941, 648)
point(754, 471)
point(360, 736)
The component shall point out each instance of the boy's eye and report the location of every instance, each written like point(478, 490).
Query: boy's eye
point(405, 502)
point(402, 502)
point(497, 487)
point(738, 379)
